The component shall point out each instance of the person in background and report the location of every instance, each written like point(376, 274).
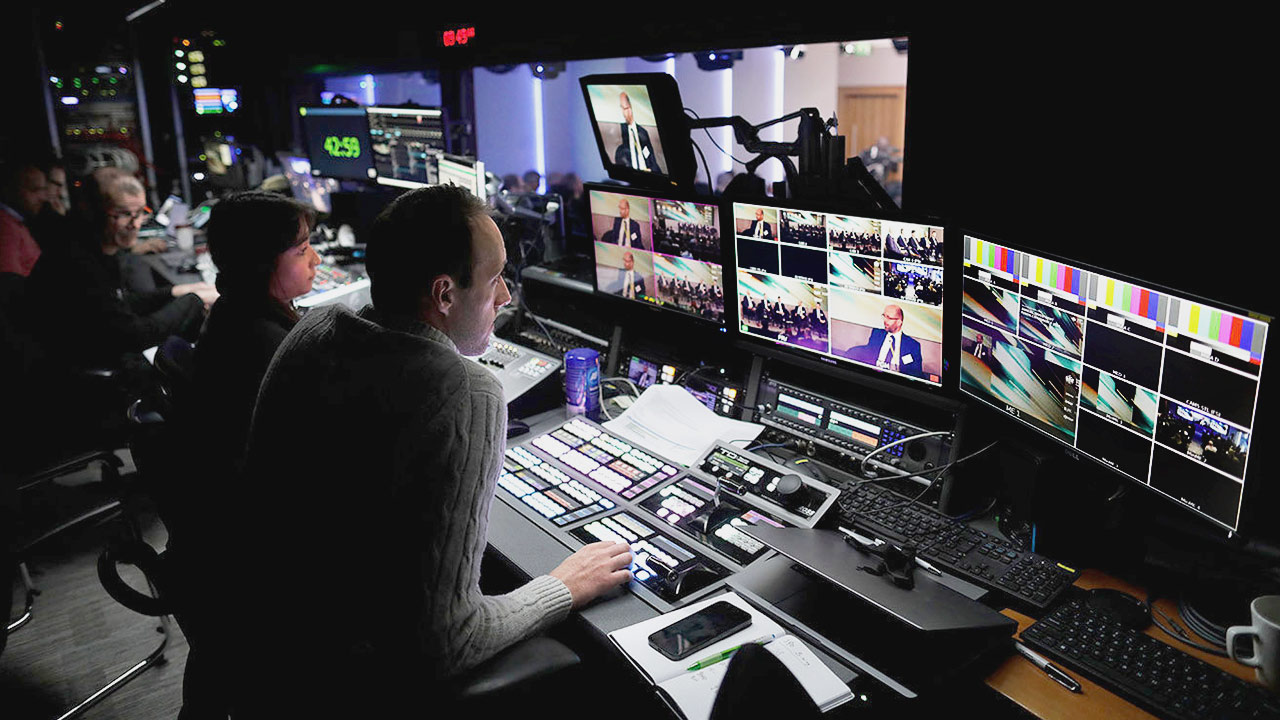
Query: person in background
point(511, 183)
point(77, 291)
point(23, 191)
point(260, 242)
point(532, 180)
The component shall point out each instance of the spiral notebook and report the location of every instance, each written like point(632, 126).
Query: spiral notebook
point(693, 693)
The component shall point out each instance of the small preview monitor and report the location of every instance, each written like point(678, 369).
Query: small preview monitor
point(337, 142)
point(1149, 382)
point(640, 128)
point(853, 291)
point(658, 249)
point(307, 188)
point(405, 142)
point(464, 172)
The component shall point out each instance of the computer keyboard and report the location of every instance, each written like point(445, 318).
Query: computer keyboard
point(1153, 675)
point(1026, 578)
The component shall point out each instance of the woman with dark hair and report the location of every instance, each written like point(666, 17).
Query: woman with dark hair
point(260, 243)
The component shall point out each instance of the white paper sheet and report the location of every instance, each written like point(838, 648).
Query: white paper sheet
point(671, 422)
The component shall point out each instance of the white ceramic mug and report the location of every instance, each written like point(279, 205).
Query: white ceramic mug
point(1265, 632)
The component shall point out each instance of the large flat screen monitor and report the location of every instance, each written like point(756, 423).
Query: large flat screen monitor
point(337, 141)
point(658, 249)
point(1155, 384)
point(640, 128)
point(405, 142)
point(860, 292)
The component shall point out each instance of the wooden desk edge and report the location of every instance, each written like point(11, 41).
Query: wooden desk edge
point(1033, 690)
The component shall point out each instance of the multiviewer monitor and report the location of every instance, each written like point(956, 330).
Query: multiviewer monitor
point(1154, 384)
point(405, 142)
point(657, 249)
point(640, 128)
point(464, 172)
point(857, 291)
point(306, 187)
point(337, 140)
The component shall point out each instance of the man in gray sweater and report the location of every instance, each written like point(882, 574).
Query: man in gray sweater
point(372, 461)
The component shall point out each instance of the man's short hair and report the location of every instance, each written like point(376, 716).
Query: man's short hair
point(419, 236)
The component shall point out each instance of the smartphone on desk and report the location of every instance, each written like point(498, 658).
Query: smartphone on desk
point(705, 627)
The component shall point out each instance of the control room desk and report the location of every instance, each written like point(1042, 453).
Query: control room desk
point(1030, 688)
point(531, 550)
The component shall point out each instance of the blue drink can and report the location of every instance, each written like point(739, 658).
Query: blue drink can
point(582, 382)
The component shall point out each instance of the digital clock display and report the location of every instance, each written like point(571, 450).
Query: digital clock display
point(342, 146)
point(337, 142)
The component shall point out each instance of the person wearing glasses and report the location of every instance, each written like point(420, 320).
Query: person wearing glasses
point(86, 312)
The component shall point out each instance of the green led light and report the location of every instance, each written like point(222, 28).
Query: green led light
point(202, 157)
point(113, 81)
point(94, 81)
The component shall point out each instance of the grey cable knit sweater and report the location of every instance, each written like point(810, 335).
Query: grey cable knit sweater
point(372, 461)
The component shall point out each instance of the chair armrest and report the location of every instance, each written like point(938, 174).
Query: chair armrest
point(515, 667)
point(145, 558)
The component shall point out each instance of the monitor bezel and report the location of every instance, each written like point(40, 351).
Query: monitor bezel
point(848, 368)
point(679, 196)
point(672, 125)
point(328, 109)
point(1248, 512)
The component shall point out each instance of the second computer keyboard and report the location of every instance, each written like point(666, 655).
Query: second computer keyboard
point(1026, 578)
point(1153, 675)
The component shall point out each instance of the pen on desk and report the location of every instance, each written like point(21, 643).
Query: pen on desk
point(1053, 671)
point(723, 654)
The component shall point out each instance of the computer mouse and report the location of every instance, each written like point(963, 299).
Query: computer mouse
point(1120, 606)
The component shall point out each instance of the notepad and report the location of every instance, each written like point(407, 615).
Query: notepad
point(694, 693)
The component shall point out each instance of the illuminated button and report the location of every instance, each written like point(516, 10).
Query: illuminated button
point(544, 506)
point(514, 485)
point(609, 479)
point(579, 491)
point(634, 525)
point(550, 474)
point(581, 429)
point(524, 457)
point(551, 446)
point(578, 461)
point(618, 528)
point(669, 471)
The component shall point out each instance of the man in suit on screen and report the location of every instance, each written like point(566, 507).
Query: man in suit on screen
point(632, 280)
point(636, 151)
point(625, 232)
point(759, 228)
point(890, 348)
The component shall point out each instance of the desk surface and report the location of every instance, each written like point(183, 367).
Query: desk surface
point(535, 552)
point(1030, 688)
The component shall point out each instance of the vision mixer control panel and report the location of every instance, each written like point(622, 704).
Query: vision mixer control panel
point(336, 285)
point(664, 565)
point(768, 486)
point(518, 368)
point(582, 483)
point(689, 504)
